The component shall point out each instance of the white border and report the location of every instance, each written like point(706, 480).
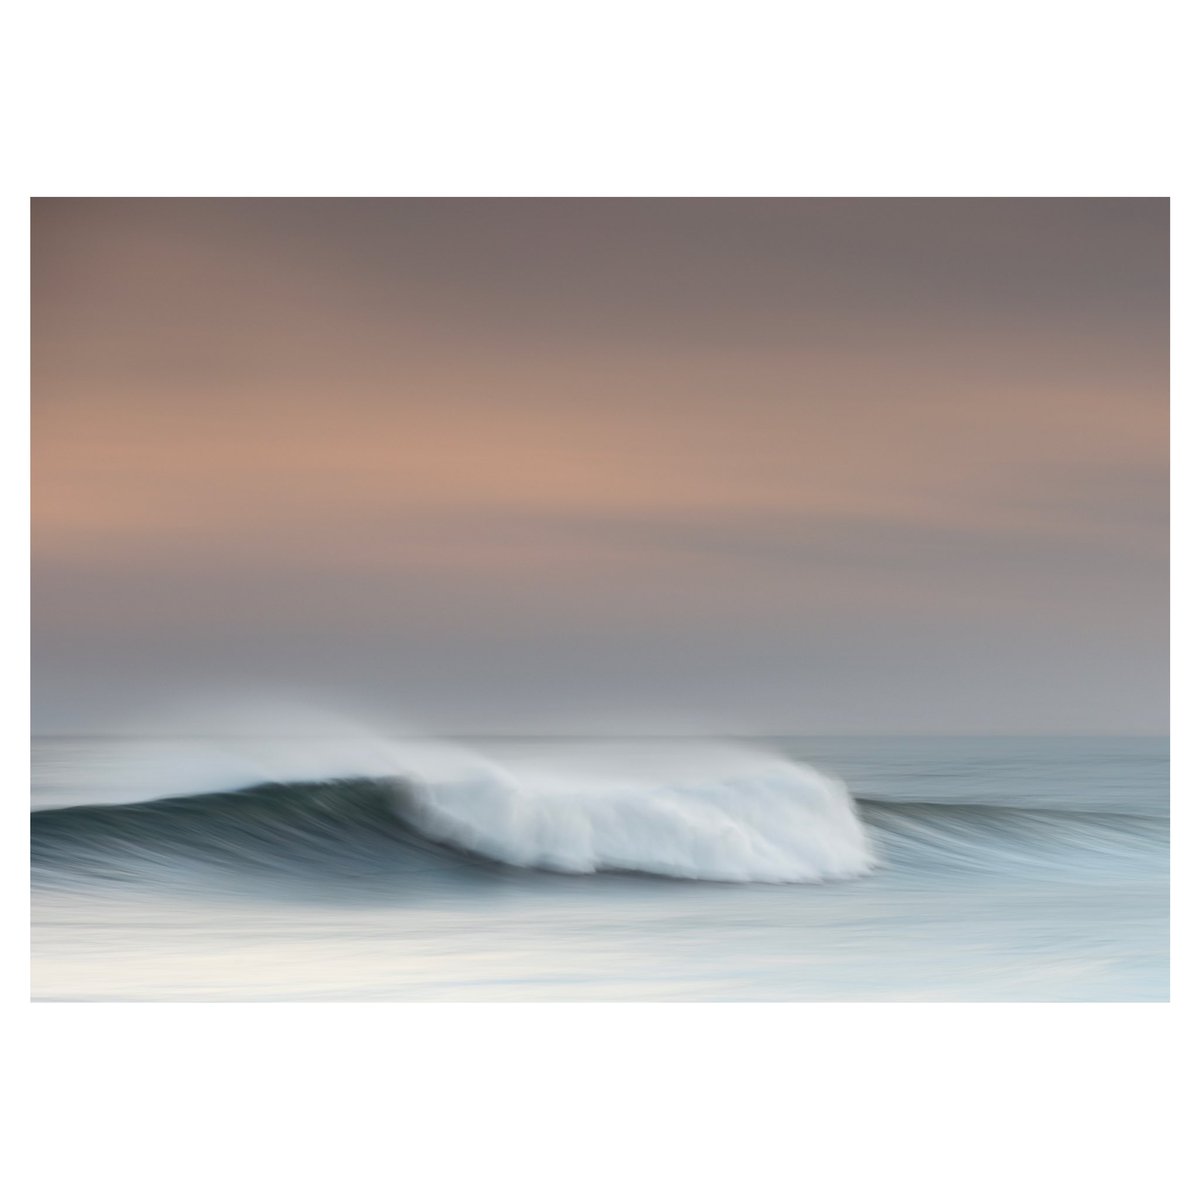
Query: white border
point(642, 99)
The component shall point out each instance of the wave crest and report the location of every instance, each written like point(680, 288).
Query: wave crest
point(760, 820)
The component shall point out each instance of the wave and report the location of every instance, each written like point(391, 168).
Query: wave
point(991, 838)
point(713, 813)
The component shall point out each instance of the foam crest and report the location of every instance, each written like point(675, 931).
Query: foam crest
point(712, 814)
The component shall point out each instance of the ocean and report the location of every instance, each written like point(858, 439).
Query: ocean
point(772, 869)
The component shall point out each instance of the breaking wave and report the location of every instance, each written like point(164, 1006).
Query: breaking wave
point(392, 811)
point(711, 812)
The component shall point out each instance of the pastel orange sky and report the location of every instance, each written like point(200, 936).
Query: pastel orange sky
point(739, 465)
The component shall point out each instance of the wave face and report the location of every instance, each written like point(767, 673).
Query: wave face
point(712, 812)
point(956, 839)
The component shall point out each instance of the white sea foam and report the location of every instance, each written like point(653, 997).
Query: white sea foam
point(706, 813)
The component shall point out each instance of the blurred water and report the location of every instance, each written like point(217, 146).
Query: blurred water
point(1012, 869)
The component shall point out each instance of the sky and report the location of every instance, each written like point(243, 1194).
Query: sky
point(612, 465)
